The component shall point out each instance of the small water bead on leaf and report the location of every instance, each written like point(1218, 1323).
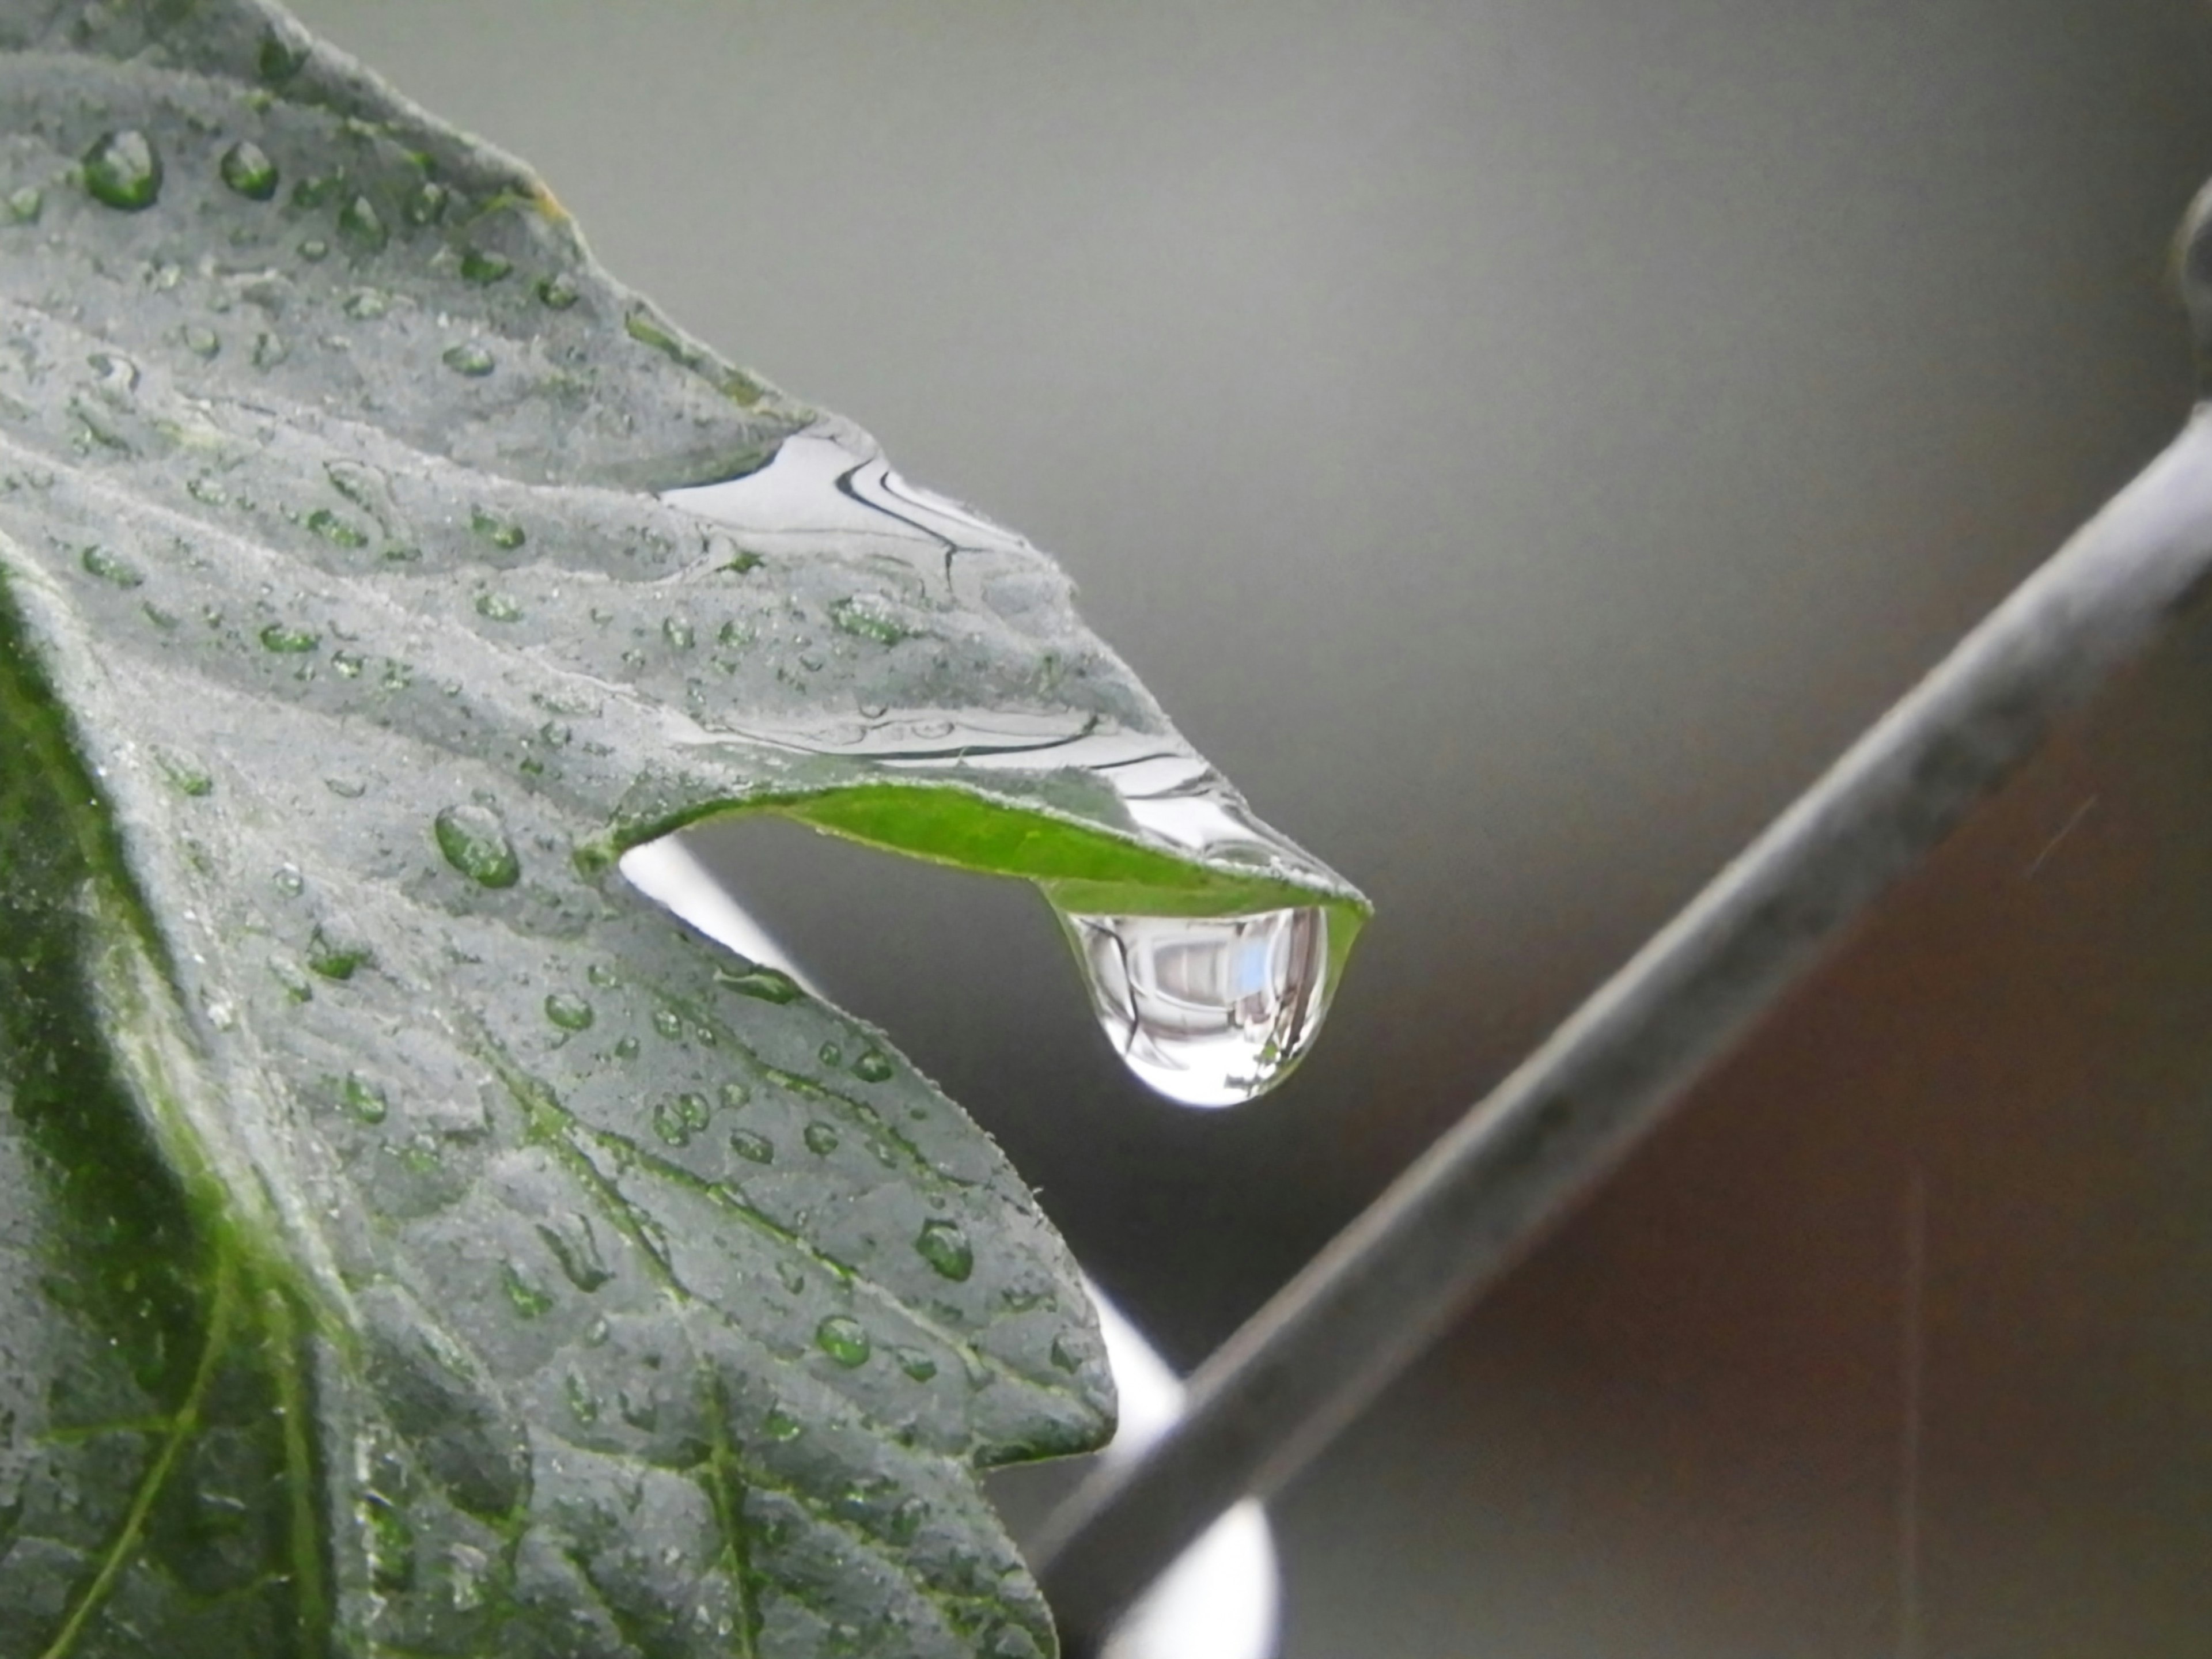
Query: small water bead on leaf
point(185, 775)
point(669, 1023)
point(202, 341)
point(246, 168)
point(577, 1247)
point(366, 305)
point(1209, 1011)
point(110, 568)
point(335, 530)
point(583, 1404)
point(752, 1147)
point(288, 881)
point(626, 1047)
point(503, 533)
point(844, 1339)
point(334, 959)
point(756, 980)
point(869, 616)
point(269, 350)
point(364, 1099)
point(280, 58)
point(468, 358)
point(527, 1297)
point(288, 640)
point(124, 170)
point(557, 292)
point(944, 1246)
point(426, 205)
point(499, 607)
point(312, 192)
point(821, 1139)
point(915, 1364)
point(475, 842)
point(678, 632)
point(315, 250)
point(735, 1095)
point(831, 1056)
point(360, 224)
point(483, 267)
point(873, 1065)
point(24, 205)
point(570, 1013)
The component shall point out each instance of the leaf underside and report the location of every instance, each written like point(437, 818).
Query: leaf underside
point(411, 1241)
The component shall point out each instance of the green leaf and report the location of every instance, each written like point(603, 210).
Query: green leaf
point(411, 1242)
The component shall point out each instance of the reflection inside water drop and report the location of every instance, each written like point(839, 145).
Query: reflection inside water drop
point(1210, 1010)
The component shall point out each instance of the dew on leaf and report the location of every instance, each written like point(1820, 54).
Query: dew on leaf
point(625, 1047)
point(678, 632)
point(557, 292)
point(781, 1426)
point(668, 1023)
point(123, 170)
point(831, 1056)
point(350, 664)
point(185, 776)
point(752, 1147)
point(314, 191)
point(112, 567)
point(503, 533)
point(528, 1299)
point(735, 1095)
point(583, 1404)
point(24, 205)
point(821, 1138)
point(200, 340)
point(844, 1339)
point(288, 880)
point(269, 350)
point(570, 1013)
point(426, 205)
point(337, 531)
point(468, 358)
point(944, 1246)
point(280, 59)
point(668, 1123)
point(246, 168)
point(868, 616)
point(873, 1065)
point(577, 1249)
point(365, 1100)
point(476, 843)
point(288, 640)
point(366, 305)
point(333, 959)
point(360, 223)
point(482, 267)
point(915, 1364)
point(756, 980)
point(499, 607)
point(315, 250)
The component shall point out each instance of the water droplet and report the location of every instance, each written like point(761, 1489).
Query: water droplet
point(426, 205)
point(290, 882)
point(781, 1426)
point(350, 664)
point(1210, 1010)
point(753, 1148)
point(582, 1402)
point(831, 1056)
point(123, 170)
point(100, 562)
point(334, 959)
point(185, 776)
point(314, 191)
point(915, 1364)
point(668, 1023)
point(499, 607)
point(754, 979)
point(335, 530)
point(474, 843)
point(200, 340)
point(315, 250)
point(673, 1124)
point(468, 358)
point(821, 1138)
point(557, 292)
point(288, 640)
point(269, 350)
point(873, 1065)
point(735, 1095)
point(24, 205)
point(869, 616)
point(482, 267)
point(577, 1251)
point(843, 1340)
point(530, 1299)
point(503, 533)
point(246, 168)
point(570, 1013)
point(946, 1248)
point(366, 1100)
point(281, 58)
point(626, 1047)
point(360, 223)
point(366, 305)
point(678, 632)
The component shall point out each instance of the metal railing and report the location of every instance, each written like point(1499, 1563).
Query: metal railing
point(1367, 1307)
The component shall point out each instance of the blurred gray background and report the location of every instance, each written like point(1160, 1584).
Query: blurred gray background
point(1521, 443)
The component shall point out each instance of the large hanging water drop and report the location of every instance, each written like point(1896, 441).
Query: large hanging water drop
point(1210, 1010)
